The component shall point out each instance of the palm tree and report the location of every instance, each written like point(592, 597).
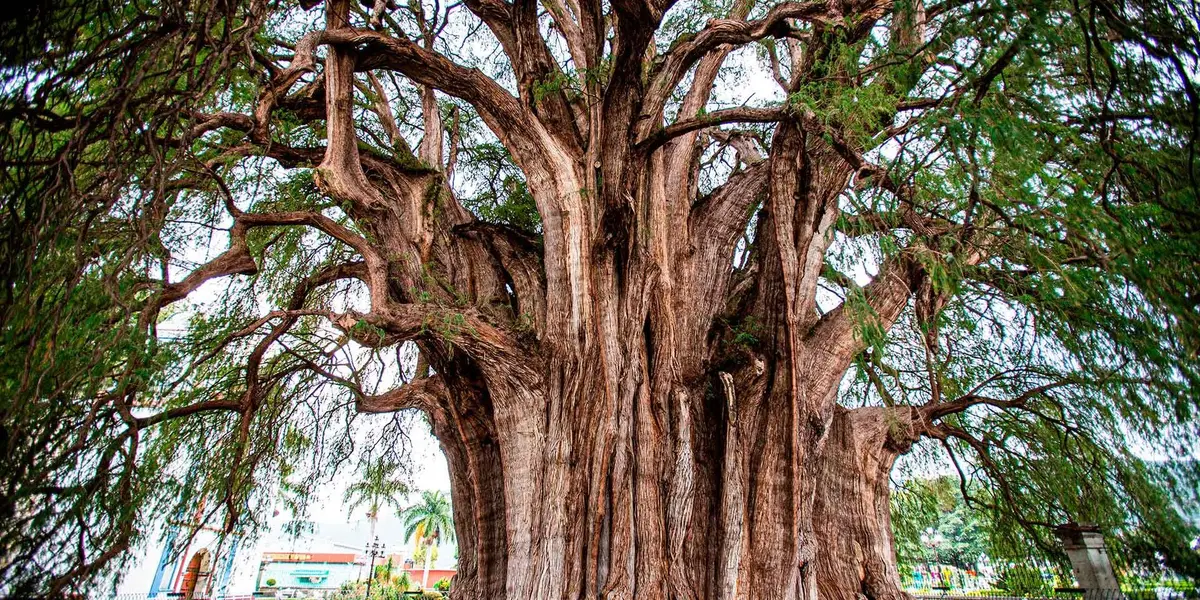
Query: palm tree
point(379, 483)
point(428, 522)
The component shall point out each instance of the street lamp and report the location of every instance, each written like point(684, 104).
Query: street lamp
point(932, 540)
point(374, 549)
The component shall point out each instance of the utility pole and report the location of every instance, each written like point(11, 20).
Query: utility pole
point(371, 533)
point(375, 548)
point(933, 540)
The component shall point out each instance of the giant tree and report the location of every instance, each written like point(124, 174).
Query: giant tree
point(638, 290)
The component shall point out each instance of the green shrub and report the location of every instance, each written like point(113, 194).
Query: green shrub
point(1023, 580)
point(443, 585)
point(405, 582)
point(270, 582)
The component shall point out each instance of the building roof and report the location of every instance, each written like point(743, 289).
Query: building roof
point(310, 557)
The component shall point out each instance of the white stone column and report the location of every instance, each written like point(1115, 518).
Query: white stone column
point(1089, 558)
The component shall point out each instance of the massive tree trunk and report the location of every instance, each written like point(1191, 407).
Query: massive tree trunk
point(671, 498)
point(664, 497)
point(853, 511)
point(625, 415)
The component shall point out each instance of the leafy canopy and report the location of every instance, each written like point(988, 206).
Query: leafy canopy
point(1042, 160)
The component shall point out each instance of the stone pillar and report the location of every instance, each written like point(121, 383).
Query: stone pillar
point(1089, 558)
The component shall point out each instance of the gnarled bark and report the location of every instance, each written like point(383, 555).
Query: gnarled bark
point(853, 513)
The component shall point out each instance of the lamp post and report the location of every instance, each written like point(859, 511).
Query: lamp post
point(375, 548)
point(932, 540)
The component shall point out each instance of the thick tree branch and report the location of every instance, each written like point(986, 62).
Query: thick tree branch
point(715, 224)
point(966, 401)
point(384, 111)
point(726, 210)
point(501, 110)
point(237, 259)
point(519, 259)
point(185, 411)
point(497, 15)
point(340, 173)
point(565, 20)
point(680, 154)
point(516, 27)
point(376, 267)
point(536, 66)
point(462, 328)
point(422, 394)
point(541, 154)
point(210, 122)
point(719, 32)
point(886, 296)
point(303, 61)
point(234, 261)
point(742, 114)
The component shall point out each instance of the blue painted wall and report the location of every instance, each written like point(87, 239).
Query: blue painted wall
point(309, 575)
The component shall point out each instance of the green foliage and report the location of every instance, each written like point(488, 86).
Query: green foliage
point(442, 585)
point(405, 582)
point(381, 482)
point(381, 589)
point(432, 515)
point(935, 509)
point(86, 155)
point(383, 572)
point(557, 82)
point(348, 591)
point(449, 326)
point(1023, 580)
point(502, 196)
point(429, 521)
point(1078, 313)
point(868, 327)
point(746, 332)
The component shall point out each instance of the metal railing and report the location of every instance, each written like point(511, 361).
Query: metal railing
point(272, 595)
point(1157, 593)
point(180, 596)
